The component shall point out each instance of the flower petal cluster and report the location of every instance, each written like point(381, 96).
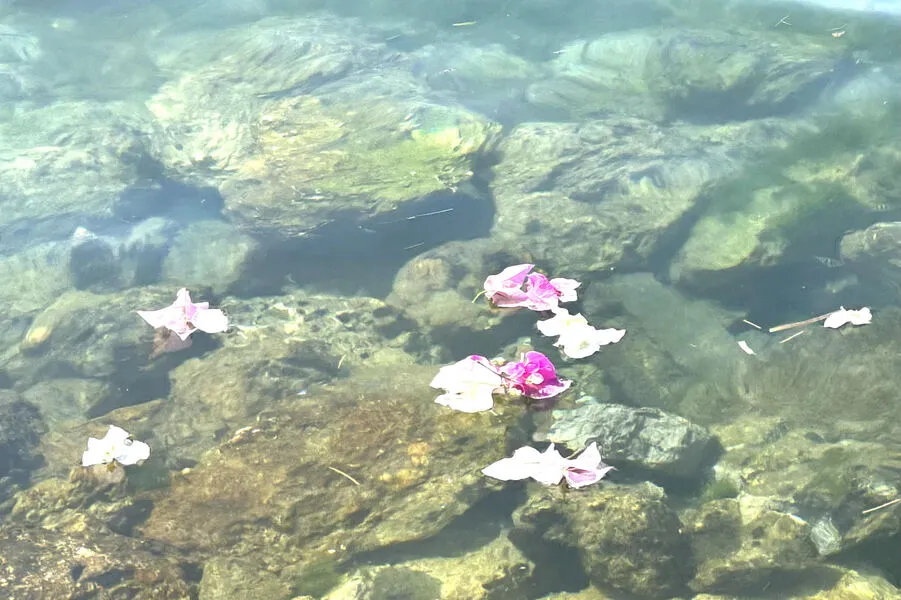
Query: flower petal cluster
point(576, 338)
point(549, 467)
point(844, 316)
point(117, 446)
point(517, 286)
point(470, 384)
point(184, 317)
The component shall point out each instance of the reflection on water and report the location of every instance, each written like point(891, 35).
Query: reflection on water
point(340, 178)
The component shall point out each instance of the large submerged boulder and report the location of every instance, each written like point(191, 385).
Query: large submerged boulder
point(696, 74)
point(600, 194)
point(306, 141)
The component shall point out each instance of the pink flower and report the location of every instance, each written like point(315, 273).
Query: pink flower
point(505, 288)
point(544, 294)
point(534, 376)
point(183, 317)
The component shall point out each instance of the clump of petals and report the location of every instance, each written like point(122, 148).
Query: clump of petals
point(546, 294)
point(117, 446)
point(577, 338)
point(184, 317)
point(469, 384)
point(550, 468)
point(534, 377)
point(844, 316)
point(505, 288)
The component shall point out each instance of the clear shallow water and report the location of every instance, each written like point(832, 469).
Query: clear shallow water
point(340, 178)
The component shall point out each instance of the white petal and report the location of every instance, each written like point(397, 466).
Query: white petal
point(210, 320)
point(508, 469)
point(114, 435)
point(588, 460)
point(94, 456)
point(131, 452)
point(472, 399)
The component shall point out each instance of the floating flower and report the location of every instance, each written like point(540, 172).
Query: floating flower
point(468, 384)
point(506, 289)
point(577, 338)
point(550, 468)
point(184, 317)
point(534, 376)
point(843, 316)
point(547, 294)
point(117, 446)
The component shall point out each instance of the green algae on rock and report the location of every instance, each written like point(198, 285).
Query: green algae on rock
point(628, 539)
point(344, 470)
point(316, 162)
point(803, 195)
point(604, 193)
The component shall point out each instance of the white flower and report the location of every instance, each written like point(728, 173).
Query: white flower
point(843, 316)
point(116, 445)
point(577, 338)
point(469, 384)
point(550, 468)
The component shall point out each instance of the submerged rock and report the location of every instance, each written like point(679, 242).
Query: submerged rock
point(212, 254)
point(304, 141)
point(335, 473)
point(438, 290)
point(647, 438)
point(703, 75)
point(819, 480)
point(70, 158)
point(20, 429)
point(795, 202)
point(319, 162)
point(743, 545)
point(601, 194)
point(628, 539)
point(39, 563)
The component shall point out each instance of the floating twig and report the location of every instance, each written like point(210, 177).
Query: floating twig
point(791, 337)
point(754, 325)
point(343, 474)
point(881, 506)
point(799, 323)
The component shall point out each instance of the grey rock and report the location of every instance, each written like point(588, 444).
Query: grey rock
point(628, 538)
point(20, 429)
point(208, 253)
point(38, 563)
point(581, 193)
point(68, 158)
point(235, 579)
point(699, 74)
point(644, 437)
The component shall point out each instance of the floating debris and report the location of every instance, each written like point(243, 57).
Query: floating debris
point(826, 537)
point(745, 348)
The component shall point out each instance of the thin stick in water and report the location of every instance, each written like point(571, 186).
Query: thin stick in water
point(799, 323)
point(881, 506)
point(343, 474)
point(791, 337)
